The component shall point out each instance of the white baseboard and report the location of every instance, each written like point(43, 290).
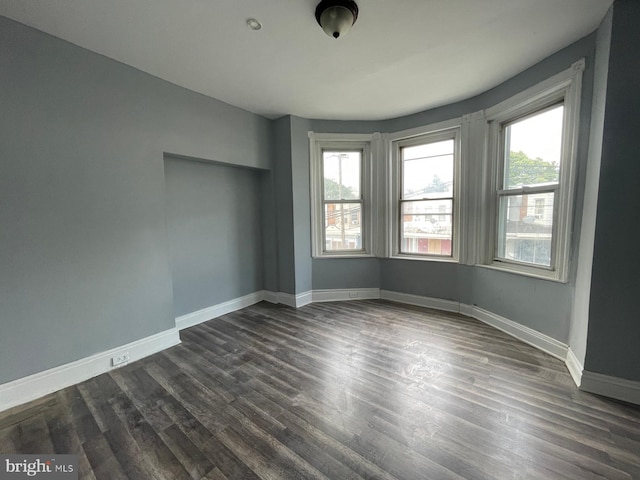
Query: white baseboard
point(295, 301)
point(527, 335)
point(614, 387)
point(40, 384)
point(269, 296)
point(420, 301)
point(574, 366)
point(199, 316)
point(288, 299)
point(466, 310)
point(345, 294)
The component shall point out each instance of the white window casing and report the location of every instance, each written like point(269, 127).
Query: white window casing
point(367, 144)
point(449, 130)
point(564, 88)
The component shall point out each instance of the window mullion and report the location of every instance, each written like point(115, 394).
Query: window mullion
point(529, 190)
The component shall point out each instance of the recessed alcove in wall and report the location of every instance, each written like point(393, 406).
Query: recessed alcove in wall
point(213, 215)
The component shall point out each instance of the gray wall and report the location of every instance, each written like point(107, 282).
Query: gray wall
point(83, 244)
point(215, 234)
point(542, 305)
point(428, 279)
point(282, 184)
point(269, 222)
point(613, 343)
point(300, 178)
point(346, 273)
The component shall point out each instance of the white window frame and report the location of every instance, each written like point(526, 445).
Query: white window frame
point(565, 87)
point(450, 129)
point(319, 142)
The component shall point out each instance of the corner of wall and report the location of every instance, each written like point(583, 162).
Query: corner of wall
point(574, 366)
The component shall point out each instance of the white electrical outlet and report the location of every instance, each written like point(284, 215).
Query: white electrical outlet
point(121, 359)
point(353, 294)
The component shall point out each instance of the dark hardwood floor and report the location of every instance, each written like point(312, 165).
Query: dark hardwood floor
point(365, 389)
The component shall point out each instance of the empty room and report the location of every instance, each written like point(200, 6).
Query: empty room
point(313, 239)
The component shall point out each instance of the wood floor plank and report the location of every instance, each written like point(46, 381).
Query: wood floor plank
point(351, 390)
point(101, 458)
point(33, 435)
point(132, 459)
point(226, 462)
point(189, 454)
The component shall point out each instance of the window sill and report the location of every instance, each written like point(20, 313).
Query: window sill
point(423, 258)
point(345, 255)
point(525, 271)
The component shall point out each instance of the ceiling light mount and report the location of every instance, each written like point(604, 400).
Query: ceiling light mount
point(336, 17)
point(253, 24)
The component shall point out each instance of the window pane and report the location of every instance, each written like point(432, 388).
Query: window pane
point(525, 228)
point(534, 146)
point(341, 171)
point(426, 150)
point(427, 170)
point(343, 226)
point(426, 227)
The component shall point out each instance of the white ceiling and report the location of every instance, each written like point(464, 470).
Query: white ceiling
point(401, 57)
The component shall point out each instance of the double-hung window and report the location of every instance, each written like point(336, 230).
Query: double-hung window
point(529, 187)
point(341, 195)
point(425, 195)
point(533, 156)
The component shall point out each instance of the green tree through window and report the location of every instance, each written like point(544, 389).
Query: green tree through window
point(522, 170)
point(333, 190)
